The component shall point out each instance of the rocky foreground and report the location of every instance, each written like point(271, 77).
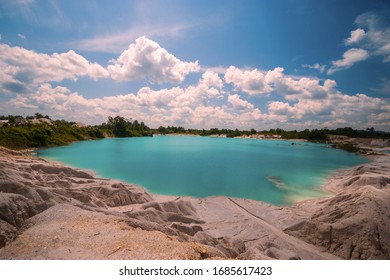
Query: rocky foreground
point(50, 211)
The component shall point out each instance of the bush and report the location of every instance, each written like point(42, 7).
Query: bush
point(349, 147)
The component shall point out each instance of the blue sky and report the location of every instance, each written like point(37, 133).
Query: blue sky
point(261, 64)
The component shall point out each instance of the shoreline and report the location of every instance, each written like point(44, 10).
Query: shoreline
point(376, 156)
point(288, 202)
point(222, 227)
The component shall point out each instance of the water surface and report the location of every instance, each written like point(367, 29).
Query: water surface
point(269, 170)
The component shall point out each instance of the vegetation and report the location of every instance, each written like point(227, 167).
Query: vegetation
point(171, 129)
point(349, 147)
point(17, 132)
point(318, 135)
point(120, 127)
point(36, 131)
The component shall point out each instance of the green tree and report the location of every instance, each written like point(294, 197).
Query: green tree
point(39, 116)
point(11, 120)
point(118, 126)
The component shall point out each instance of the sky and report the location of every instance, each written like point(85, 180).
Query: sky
point(290, 64)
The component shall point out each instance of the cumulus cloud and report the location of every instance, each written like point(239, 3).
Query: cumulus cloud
point(350, 57)
point(239, 104)
point(250, 81)
point(298, 87)
point(332, 111)
point(192, 106)
point(26, 68)
point(291, 87)
point(23, 69)
point(293, 101)
point(199, 106)
point(377, 29)
point(212, 79)
point(279, 108)
point(377, 33)
point(145, 59)
point(356, 36)
point(372, 38)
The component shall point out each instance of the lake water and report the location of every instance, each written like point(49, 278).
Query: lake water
point(269, 170)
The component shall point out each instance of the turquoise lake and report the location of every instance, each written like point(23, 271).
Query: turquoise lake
point(268, 170)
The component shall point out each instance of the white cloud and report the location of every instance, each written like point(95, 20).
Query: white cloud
point(211, 79)
point(250, 81)
point(372, 37)
point(356, 36)
point(239, 104)
point(279, 108)
point(145, 59)
point(361, 110)
point(385, 51)
point(8, 83)
point(22, 67)
point(293, 101)
point(192, 106)
point(22, 36)
point(377, 35)
point(377, 30)
point(291, 87)
point(197, 106)
point(350, 57)
point(336, 109)
point(316, 66)
point(23, 102)
point(297, 87)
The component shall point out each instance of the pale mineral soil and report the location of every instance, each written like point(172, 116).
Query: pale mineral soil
point(51, 211)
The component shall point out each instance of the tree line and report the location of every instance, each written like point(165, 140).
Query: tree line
point(307, 134)
point(120, 127)
point(19, 132)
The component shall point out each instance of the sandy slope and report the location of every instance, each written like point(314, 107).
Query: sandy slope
point(50, 211)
